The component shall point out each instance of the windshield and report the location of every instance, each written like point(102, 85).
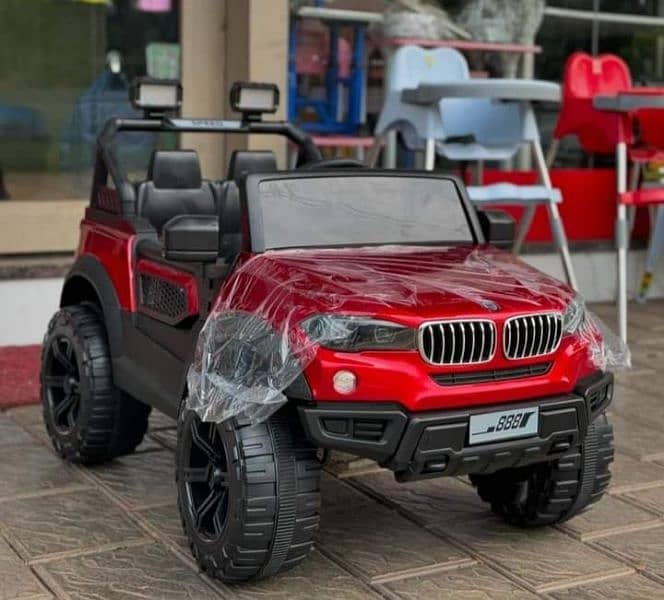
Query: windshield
point(358, 210)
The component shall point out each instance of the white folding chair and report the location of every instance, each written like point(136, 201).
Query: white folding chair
point(482, 129)
point(409, 67)
point(469, 129)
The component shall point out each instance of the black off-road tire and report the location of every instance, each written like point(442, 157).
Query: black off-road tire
point(248, 495)
point(553, 492)
point(88, 419)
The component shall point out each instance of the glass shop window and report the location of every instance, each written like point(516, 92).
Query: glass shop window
point(64, 69)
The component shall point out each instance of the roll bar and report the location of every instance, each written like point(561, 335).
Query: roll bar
point(301, 139)
point(108, 164)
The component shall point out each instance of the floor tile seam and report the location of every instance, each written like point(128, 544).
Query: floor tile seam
point(607, 533)
point(90, 550)
point(586, 580)
point(432, 569)
point(433, 529)
point(642, 505)
point(71, 488)
point(638, 565)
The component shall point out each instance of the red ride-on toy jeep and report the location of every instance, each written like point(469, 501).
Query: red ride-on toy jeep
point(276, 313)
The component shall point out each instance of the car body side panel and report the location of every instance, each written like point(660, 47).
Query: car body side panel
point(113, 248)
point(143, 364)
point(89, 270)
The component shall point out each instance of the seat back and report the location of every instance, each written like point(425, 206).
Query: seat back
point(230, 220)
point(242, 163)
point(584, 78)
point(411, 66)
point(174, 187)
point(250, 161)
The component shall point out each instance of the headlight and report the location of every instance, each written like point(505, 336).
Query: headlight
point(352, 334)
point(574, 316)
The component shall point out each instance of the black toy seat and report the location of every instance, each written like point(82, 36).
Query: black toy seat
point(242, 163)
point(250, 161)
point(174, 187)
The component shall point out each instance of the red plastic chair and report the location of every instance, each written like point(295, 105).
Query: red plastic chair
point(598, 131)
point(651, 194)
point(584, 78)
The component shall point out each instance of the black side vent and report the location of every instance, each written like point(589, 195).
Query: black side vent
point(163, 299)
point(599, 399)
point(370, 430)
point(493, 375)
point(595, 399)
point(597, 390)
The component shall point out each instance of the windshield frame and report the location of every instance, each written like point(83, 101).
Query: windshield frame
point(251, 200)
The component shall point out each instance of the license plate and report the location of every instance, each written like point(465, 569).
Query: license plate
point(503, 425)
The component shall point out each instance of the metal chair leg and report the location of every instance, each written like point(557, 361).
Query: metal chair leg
point(621, 239)
point(374, 151)
point(559, 235)
point(631, 221)
point(552, 152)
point(390, 154)
point(524, 227)
point(631, 211)
point(430, 154)
point(655, 250)
point(479, 172)
point(557, 228)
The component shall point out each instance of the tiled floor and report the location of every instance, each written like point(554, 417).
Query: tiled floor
point(113, 531)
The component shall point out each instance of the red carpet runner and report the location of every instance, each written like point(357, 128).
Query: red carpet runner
point(19, 375)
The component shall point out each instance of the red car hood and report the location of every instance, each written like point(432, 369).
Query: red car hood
point(406, 284)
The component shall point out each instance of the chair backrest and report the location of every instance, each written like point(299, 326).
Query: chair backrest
point(411, 66)
point(174, 187)
point(584, 78)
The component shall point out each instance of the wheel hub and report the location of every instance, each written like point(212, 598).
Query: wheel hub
point(70, 385)
point(218, 478)
point(206, 479)
point(61, 382)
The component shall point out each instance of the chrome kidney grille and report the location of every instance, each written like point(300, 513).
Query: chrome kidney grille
point(529, 336)
point(458, 342)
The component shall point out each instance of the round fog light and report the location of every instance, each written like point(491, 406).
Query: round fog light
point(344, 382)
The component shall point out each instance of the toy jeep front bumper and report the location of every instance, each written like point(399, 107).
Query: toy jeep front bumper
point(434, 444)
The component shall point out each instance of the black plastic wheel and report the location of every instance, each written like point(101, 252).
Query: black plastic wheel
point(248, 495)
point(548, 493)
point(88, 419)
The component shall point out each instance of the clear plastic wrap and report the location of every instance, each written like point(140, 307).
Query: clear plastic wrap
point(259, 337)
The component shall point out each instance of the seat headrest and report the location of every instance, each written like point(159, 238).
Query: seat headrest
point(250, 161)
point(175, 169)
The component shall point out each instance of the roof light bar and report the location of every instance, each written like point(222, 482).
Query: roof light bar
point(156, 96)
point(254, 99)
